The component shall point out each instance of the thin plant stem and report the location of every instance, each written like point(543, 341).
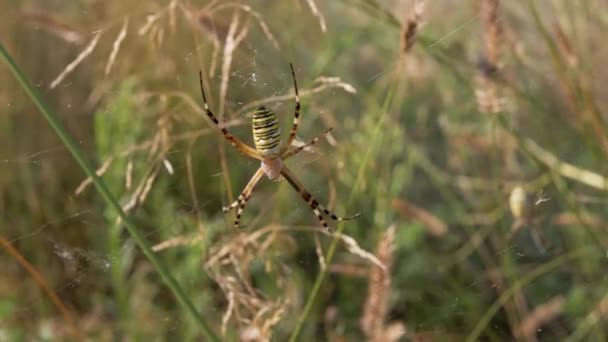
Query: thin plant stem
point(334, 242)
point(525, 280)
point(41, 281)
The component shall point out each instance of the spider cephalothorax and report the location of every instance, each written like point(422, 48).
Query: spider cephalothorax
point(268, 150)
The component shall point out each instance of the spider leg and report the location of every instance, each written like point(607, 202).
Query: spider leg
point(296, 118)
point(238, 144)
point(300, 148)
point(244, 197)
point(311, 201)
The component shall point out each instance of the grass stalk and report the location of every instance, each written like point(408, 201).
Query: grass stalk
point(518, 285)
point(334, 242)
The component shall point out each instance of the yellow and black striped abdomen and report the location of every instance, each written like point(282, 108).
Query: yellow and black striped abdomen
point(266, 132)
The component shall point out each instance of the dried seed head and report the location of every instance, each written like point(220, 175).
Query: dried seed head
point(492, 30)
point(376, 304)
point(410, 26)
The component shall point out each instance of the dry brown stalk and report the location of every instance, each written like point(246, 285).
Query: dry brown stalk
point(116, 46)
point(315, 11)
point(373, 320)
point(322, 83)
point(84, 54)
point(572, 219)
point(357, 271)
point(488, 95)
point(52, 25)
point(492, 32)
point(41, 281)
point(542, 314)
point(567, 170)
point(233, 39)
point(564, 46)
point(434, 225)
point(256, 15)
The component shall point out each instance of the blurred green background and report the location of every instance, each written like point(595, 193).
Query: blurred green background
point(471, 137)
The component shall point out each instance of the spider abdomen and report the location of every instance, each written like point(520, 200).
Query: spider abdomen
point(266, 132)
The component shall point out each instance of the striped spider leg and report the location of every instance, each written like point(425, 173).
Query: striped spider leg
point(268, 149)
point(238, 144)
point(311, 201)
point(244, 197)
point(296, 115)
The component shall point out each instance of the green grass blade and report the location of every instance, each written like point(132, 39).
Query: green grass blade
point(107, 195)
point(525, 280)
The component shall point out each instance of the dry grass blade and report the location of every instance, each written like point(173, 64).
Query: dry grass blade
point(232, 41)
point(88, 181)
point(188, 240)
point(84, 54)
point(220, 253)
point(542, 314)
point(353, 247)
point(255, 15)
point(435, 226)
point(116, 46)
point(323, 84)
point(572, 219)
point(141, 191)
point(208, 26)
point(349, 270)
point(267, 317)
point(150, 22)
point(129, 174)
point(41, 281)
point(315, 11)
point(376, 303)
point(334, 82)
point(567, 170)
point(564, 46)
point(52, 25)
point(319, 251)
point(228, 313)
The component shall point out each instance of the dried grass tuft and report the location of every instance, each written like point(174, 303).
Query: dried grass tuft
point(229, 263)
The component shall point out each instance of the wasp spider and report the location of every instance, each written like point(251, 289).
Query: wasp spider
point(268, 150)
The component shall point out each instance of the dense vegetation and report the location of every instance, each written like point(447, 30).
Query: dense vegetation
point(471, 136)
